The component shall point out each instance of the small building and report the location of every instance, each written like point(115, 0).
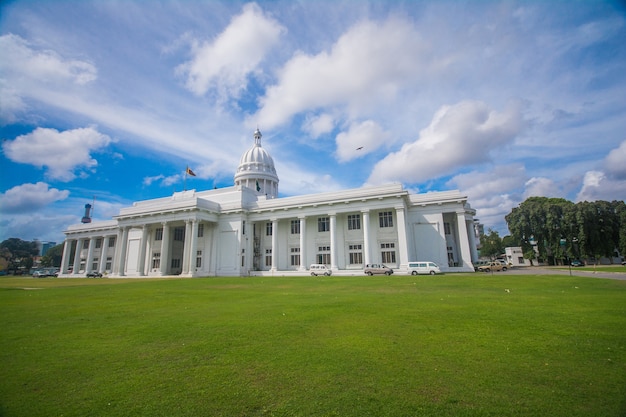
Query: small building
point(247, 229)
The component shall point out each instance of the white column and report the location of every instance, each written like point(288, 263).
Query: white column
point(333, 242)
point(65, 260)
point(116, 254)
point(472, 240)
point(403, 249)
point(123, 245)
point(143, 244)
point(303, 262)
point(165, 249)
point(186, 246)
point(103, 254)
point(466, 261)
point(274, 245)
point(79, 247)
point(194, 247)
point(366, 236)
point(92, 244)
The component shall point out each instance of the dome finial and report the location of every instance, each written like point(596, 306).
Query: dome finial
point(257, 136)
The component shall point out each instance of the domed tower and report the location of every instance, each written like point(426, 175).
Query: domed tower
point(256, 170)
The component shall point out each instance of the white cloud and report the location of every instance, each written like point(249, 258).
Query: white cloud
point(542, 187)
point(22, 59)
point(225, 62)
point(616, 162)
point(367, 135)
point(459, 135)
point(61, 152)
point(369, 63)
point(597, 186)
point(319, 125)
point(11, 104)
point(27, 198)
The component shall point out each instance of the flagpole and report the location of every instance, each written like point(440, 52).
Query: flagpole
point(185, 180)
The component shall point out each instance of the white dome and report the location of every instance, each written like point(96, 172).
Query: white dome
point(256, 169)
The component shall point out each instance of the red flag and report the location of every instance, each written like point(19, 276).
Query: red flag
point(190, 172)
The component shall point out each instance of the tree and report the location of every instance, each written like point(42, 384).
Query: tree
point(18, 253)
point(491, 244)
point(540, 221)
point(53, 256)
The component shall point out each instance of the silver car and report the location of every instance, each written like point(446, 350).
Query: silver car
point(371, 269)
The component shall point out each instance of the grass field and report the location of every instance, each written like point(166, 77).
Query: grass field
point(451, 345)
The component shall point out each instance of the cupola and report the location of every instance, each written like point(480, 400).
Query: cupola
point(256, 170)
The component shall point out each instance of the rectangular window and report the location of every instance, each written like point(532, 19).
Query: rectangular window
point(86, 244)
point(94, 264)
point(385, 219)
point(268, 256)
point(446, 228)
point(295, 256)
point(112, 242)
point(388, 253)
point(356, 254)
point(175, 263)
point(268, 229)
point(295, 227)
point(201, 230)
point(243, 228)
point(108, 264)
point(323, 224)
point(98, 243)
point(158, 233)
point(179, 234)
point(199, 259)
point(354, 221)
point(323, 255)
point(156, 260)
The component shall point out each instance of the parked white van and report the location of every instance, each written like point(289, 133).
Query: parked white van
point(320, 269)
point(417, 268)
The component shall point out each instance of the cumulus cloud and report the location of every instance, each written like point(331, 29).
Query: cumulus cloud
point(367, 135)
point(319, 125)
point(225, 62)
point(27, 198)
point(60, 152)
point(459, 135)
point(597, 186)
point(615, 162)
point(542, 187)
point(370, 62)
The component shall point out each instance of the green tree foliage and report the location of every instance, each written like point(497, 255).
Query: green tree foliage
point(540, 221)
point(590, 229)
point(53, 256)
point(491, 244)
point(18, 253)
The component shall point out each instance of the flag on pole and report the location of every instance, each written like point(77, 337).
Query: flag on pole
point(190, 172)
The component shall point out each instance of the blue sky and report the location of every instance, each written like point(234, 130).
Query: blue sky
point(113, 99)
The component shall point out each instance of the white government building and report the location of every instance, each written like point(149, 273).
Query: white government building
point(247, 230)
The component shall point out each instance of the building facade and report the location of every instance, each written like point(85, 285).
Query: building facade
point(247, 229)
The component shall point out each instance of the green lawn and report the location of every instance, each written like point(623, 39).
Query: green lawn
point(450, 345)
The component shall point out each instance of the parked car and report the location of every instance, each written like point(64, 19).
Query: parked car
point(576, 262)
point(94, 274)
point(39, 274)
point(320, 269)
point(423, 267)
point(371, 269)
point(492, 266)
